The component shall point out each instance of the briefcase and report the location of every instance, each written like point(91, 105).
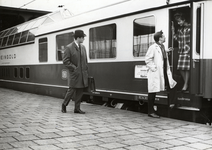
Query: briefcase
point(91, 85)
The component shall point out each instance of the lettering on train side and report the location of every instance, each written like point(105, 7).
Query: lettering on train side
point(183, 99)
point(8, 56)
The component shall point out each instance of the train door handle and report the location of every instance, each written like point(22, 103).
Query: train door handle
point(195, 61)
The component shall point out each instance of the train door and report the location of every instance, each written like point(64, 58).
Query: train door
point(191, 40)
point(180, 40)
point(185, 37)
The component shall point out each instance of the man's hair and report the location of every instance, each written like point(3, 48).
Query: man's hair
point(77, 36)
point(158, 35)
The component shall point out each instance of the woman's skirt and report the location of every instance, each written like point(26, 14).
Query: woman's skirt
point(183, 61)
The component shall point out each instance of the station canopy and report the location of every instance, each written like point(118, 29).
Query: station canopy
point(25, 32)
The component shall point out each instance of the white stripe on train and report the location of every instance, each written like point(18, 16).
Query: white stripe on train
point(60, 86)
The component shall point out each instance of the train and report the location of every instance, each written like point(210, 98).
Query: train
point(118, 37)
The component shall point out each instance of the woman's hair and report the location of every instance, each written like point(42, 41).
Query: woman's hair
point(180, 16)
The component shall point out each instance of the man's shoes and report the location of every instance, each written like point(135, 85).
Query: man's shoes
point(153, 115)
point(78, 111)
point(63, 108)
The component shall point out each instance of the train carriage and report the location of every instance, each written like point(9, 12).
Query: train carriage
point(117, 40)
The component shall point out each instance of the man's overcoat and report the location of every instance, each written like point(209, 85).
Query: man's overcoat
point(154, 61)
point(76, 62)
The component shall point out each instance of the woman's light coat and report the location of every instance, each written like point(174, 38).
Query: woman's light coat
point(154, 61)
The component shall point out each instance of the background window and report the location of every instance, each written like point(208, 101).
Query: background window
point(27, 73)
point(102, 42)
point(21, 72)
point(144, 29)
point(15, 72)
point(61, 42)
point(43, 50)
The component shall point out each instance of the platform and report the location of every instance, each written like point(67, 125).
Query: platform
point(35, 122)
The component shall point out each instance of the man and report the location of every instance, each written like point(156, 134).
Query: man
point(75, 59)
point(159, 74)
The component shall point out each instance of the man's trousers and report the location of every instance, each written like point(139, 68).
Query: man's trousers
point(75, 94)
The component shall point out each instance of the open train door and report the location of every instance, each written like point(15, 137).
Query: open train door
point(196, 77)
point(192, 14)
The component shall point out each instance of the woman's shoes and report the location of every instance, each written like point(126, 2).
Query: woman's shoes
point(185, 88)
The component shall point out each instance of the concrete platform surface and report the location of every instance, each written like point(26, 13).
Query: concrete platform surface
point(35, 122)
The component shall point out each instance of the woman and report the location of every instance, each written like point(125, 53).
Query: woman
point(183, 38)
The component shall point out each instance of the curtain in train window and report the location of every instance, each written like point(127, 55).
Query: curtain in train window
point(61, 42)
point(102, 42)
point(43, 50)
point(144, 29)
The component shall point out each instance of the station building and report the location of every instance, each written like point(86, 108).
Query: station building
point(10, 16)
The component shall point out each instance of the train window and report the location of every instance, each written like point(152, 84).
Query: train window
point(9, 32)
point(15, 72)
point(48, 20)
point(21, 72)
point(8, 72)
point(27, 73)
point(31, 37)
point(144, 29)
point(3, 33)
point(11, 37)
point(17, 38)
point(198, 30)
point(4, 43)
point(0, 72)
point(43, 49)
point(24, 36)
point(102, 42)
point(10, 40)
point(15, 30)
point(61, 42)
point(1, 39)
point(4, 72)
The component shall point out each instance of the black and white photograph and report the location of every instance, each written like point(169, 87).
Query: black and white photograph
point(105, 75)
